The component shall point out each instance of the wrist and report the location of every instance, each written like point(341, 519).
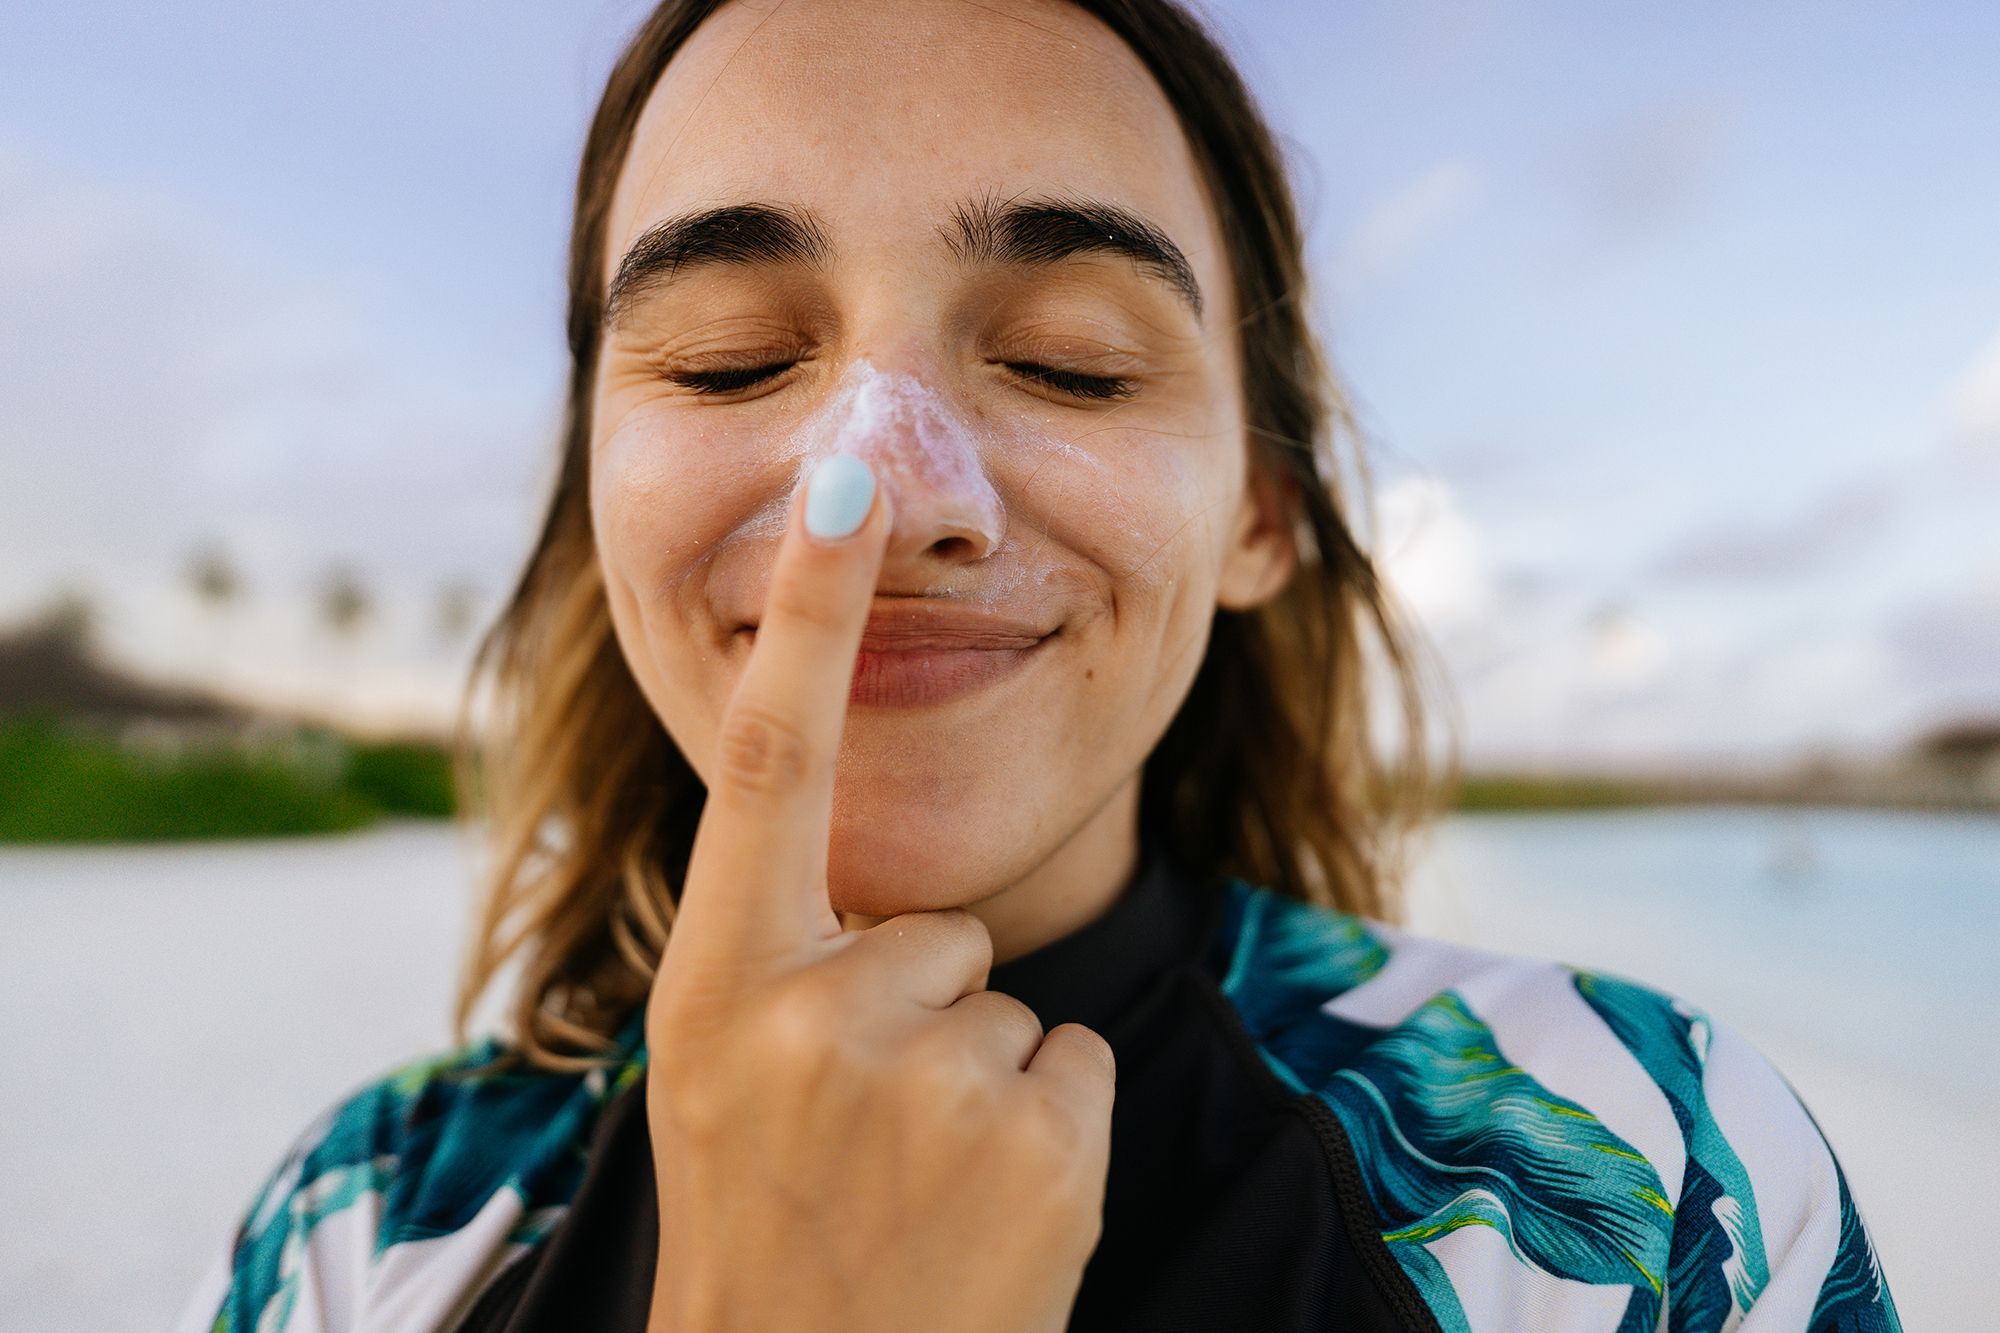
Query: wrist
point(693, 1295)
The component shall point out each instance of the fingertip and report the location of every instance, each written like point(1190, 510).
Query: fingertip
point(841, 494)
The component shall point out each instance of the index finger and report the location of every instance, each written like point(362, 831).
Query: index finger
point(757, 870)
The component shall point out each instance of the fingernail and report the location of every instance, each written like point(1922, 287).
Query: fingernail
point(838, 494)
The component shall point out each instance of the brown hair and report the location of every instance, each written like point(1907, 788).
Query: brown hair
point(1268, 771)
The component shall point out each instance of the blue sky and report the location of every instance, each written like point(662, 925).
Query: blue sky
point(1675, 331)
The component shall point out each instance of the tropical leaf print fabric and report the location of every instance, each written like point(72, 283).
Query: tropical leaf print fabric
point(396, 1208)
point(1500, 1178)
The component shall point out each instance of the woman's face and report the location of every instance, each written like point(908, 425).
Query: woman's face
point(969, 244)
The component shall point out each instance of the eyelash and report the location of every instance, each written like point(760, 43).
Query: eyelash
point(727, 381)
point(1074, 383)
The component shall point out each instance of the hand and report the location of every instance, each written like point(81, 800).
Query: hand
point(849, 1131)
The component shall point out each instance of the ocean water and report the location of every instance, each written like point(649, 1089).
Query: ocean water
point(178, 1014)
point(1867, 936)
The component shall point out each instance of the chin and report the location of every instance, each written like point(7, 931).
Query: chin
point(908, 862)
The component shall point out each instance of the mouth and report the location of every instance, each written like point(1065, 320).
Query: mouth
point(913, 656)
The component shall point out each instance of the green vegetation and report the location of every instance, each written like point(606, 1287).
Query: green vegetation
point(1516, 791)
point(403, 777)
point(63, 783)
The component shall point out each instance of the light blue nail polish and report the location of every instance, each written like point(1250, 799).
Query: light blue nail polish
point(838, 494)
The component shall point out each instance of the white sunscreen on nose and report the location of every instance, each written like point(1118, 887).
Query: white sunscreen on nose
point(922, 453)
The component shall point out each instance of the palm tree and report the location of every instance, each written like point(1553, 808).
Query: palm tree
point(217, 585)
point(214, 577)
point(345, 606)
point(344, 602)
point(457, 609)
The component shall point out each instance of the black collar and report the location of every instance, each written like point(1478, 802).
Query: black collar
point(1099, 971)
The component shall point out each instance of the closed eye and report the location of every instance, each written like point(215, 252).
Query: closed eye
point(1074, 382)
point(728, 381)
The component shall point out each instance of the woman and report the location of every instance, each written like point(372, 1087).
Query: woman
point(935, 705)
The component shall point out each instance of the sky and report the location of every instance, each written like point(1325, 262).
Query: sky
point(1673, 332)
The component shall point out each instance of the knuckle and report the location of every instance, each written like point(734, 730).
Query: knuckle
point(977, 935)
point(1006, 1012)
point(761, 754)
point(941, 1074)
point(960, 929)
point(1037, 1142)
point(1092, 1042)
point(797, 1027)
point(1015, 1011)
point(941, 933)
point(1069, 1130)
point(816, 1042)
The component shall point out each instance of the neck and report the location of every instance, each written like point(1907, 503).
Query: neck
point(1073, 886)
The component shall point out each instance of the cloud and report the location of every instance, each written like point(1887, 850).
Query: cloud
point(1648, 172)
point(1808, 543)
point(159, 390)
point(1430, 553)
point(1950, 642)
point(1594, 687)
point(1972, 432)
point(1396, 226)
point(1626, 650)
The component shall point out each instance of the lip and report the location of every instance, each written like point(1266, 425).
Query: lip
point(917, 654)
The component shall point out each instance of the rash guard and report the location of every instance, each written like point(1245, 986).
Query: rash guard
point(1321, 1122)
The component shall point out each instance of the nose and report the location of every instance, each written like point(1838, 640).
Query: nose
point(928, 458)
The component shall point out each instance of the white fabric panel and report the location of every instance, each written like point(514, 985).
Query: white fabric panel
point(331, 1263)
point(329, 1271)
point(1502, 1294)
point(1544, 1026)
point(1791, 1176)
point(1418, 968)
point(421, 1285)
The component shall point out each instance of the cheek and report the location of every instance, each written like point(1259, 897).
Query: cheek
point(1139, 505)
point(664, 492)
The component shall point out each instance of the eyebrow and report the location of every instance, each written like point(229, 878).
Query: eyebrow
point(1033, 232)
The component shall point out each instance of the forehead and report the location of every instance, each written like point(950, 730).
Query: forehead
point(881, 115)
